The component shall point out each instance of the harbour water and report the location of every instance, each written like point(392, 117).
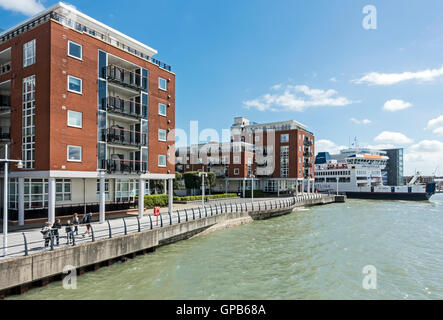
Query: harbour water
point(315, 253)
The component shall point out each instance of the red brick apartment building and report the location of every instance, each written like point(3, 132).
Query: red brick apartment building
point(276, 156)
point(88, 111)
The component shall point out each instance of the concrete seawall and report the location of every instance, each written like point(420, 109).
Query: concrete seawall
point(17, 274)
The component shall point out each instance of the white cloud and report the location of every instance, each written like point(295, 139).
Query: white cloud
point(395, 138)
point(364, 121)
point(396, 105)
point(297, 98)
point(436, 125)
point(26, 7)
point(327, 146)
point(333, 79)
point(385, 79)
point(425, 156)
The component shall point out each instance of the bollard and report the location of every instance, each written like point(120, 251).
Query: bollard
point(139, 226)
point(52, 240)
point(150, 220)
point(124, 223)
point(25, 242)
point(161, 220)
point(110, 230)
point(92, 234)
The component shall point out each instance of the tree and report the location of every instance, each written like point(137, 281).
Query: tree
point(177, 181)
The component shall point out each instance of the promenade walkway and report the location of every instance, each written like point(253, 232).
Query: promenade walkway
point(31, 241)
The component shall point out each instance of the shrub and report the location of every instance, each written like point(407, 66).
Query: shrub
point(212, 196)
point(257, 194)
point(156, 200)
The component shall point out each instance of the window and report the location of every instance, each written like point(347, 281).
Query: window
point(74, 119)
point(236, 159)
point(29, 53)
point(257, 138)
point(75, 50)
point(162, 109)
point(74, 153)
point(106, 189)
point(162, 84)
point(74, 84)
point(162, 160)
point(161, 135)
point(63, 190)
point(28, 122)
point(284, 161)
point(284, 138)
point(236, 171)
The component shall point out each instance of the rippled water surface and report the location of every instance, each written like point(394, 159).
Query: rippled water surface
point(317, 253)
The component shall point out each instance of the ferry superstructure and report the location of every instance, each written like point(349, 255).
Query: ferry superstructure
point(358, 173)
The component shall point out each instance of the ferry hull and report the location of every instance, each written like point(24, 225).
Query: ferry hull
point(389, 196)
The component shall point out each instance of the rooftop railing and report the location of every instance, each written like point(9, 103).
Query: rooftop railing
point(5, 68)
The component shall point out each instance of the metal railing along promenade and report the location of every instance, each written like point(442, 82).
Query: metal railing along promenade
point(26, 243)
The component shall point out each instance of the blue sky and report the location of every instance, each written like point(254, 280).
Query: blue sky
point(311, 61)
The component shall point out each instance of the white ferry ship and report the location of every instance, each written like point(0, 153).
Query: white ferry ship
point(358, 173)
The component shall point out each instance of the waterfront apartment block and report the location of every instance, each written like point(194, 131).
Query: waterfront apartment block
point(274, 156)
point(88, 110)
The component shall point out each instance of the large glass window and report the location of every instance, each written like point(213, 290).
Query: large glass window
point(28, 122)
point(162, 109)
point(161, 135)
point(75, 50)
point(74, 153)
point(74, 119)
point(106, 189)
point(29, 53)
point(284, 161)
point(36, 193)
point(63, 190)
point(162, 84)
point(74, 84)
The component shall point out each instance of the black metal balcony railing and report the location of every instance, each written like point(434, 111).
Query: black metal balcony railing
point(125, 137)
point(126, 107)
point(5, 134)
point(5, 102)
point(5, 68)
point(125, 77)
point(125, 166)
point(307, 154)
point(307, 164)
point(307, 142)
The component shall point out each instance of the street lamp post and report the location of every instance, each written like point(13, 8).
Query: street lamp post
point(5, 197)
point(203, 175)
point(252, 188)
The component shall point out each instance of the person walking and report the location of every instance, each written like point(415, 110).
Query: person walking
point(69, 232)
point(87, 221)
point(55, 227)
point(76, 222)
point(46, 230)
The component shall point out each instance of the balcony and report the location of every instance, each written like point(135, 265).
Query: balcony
point(125, 166)
point(307, 154)
point(125, 77)
point(126, 107)
point(5, 68)
point(307, 142)
point(118, 135)
point(307, 164)
point(5, 135)
point(5, 103)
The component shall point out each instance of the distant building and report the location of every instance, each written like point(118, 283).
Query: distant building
point(392, 175)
